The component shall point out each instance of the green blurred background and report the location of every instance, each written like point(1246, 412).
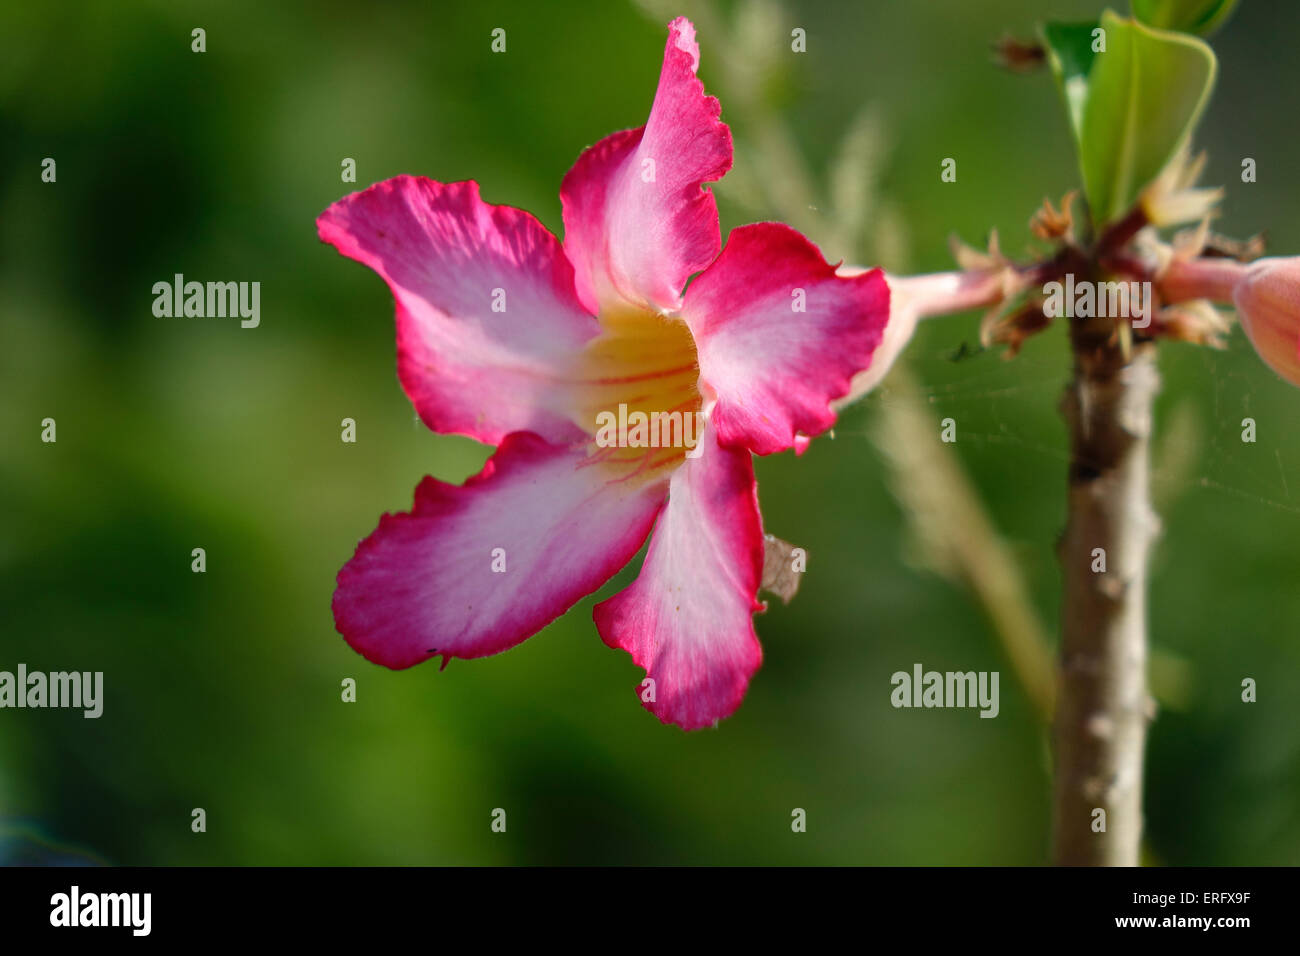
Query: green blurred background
point(223, 688)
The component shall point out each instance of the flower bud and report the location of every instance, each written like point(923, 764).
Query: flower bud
point(1265, 293)
point(1268, 306)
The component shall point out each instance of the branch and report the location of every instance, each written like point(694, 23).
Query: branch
point(1103, 705)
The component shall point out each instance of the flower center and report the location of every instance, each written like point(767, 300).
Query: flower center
point(638, 391)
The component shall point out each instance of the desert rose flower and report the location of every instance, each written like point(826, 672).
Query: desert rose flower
point(1265, 293)
point(512, 338)
point(912, 298)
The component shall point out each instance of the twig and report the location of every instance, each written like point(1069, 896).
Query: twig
point(1104, 706)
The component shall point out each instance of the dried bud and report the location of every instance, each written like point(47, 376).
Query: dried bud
point(1019, 56)
point(1196, 321)
point(1052, 224)
point(1173, 199)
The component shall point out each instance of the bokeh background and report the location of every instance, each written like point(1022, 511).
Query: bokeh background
point(223, 688)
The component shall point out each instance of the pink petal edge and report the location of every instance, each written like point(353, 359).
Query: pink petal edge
point(423, 583)
point(688, 617)
point(637, 241)
point(775, 371)
point(448, 257)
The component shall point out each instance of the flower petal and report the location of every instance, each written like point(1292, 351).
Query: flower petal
point(637, 221)
point(687, 619)
point(780, 336)
point(1268, 305)
point(898, 333)
point(487, 315)
point(431, 582)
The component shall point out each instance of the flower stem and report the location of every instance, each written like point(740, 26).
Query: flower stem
point(1103, 704)
point(1213, 279)
point(943, 293)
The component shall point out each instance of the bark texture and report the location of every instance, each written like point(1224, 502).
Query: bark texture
point(1103, 705)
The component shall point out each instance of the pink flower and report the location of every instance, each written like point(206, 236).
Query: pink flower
point(912, 298)
point(509, 337)
point(1266, 294)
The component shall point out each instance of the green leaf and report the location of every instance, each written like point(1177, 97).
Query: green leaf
point(1069, 50)
point(1144, 96)
point(1190, 16)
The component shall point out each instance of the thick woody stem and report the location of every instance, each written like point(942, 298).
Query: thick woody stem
point(1103, 705)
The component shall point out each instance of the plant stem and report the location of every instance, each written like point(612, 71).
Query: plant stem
point(1214, 279)
point(943, 293)
point(1103, 704)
